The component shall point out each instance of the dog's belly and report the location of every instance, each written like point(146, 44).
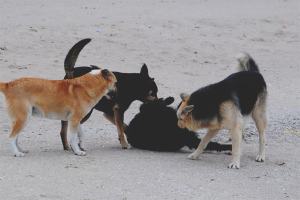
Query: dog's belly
point(37, 112)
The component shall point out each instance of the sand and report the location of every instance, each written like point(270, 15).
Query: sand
point(186, 45)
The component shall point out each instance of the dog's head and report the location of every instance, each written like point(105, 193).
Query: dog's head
point(155, 106)
point(148, 87)
point(184, 112)
point(112, 90)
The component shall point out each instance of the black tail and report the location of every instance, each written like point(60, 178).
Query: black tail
point(246, 63)
point(72, 57)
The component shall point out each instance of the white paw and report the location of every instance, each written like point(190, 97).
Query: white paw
point(234, 166)
point(194, 156)
point(260, 158)
point(80, 153)
point(19, 154)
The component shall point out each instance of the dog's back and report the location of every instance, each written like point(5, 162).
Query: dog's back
point(242, 89)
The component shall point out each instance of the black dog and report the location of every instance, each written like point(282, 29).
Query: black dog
point(155, 128)
point(131, 87)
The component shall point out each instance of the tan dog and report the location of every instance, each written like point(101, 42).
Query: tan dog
point(68, 100)
point(226, 105)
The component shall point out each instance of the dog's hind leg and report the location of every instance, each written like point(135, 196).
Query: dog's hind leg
point(211, 133)
point(259, 115)
point(19, 121)
point(19, 148)
point(73, 126)
point(237, 138)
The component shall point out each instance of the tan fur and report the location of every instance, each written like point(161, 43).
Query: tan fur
point(68, 100)
point(233, 121)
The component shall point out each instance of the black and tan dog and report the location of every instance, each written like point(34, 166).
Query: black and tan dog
point(155, 128)
point(131, 87)
point(226, 105)
point(68, 100)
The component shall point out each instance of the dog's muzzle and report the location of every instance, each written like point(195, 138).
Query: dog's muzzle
point(111, 94)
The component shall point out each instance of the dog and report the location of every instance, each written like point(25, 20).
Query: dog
point(226, 105)
point(68, 100)
point(155, 128)
point(131, 87)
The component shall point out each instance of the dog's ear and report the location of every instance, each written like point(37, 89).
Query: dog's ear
point(95, 67)
point(184, 96)
point(188, 109)
point(168, 101)
point(105, 73)
point(144, 71)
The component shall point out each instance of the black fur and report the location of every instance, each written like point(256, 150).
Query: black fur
point(131, 86)
point(155, 128)
point(242, 88)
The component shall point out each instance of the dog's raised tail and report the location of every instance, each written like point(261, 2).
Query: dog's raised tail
point(246, 63)
point(2, 87)
point(72, 57)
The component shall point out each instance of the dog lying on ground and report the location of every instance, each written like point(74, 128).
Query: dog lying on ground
point(68, 100)
point(131, 87)
point(155, 128)
point(226, 105)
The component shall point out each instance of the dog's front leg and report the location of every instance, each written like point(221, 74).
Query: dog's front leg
point(63, 135)
point(74, 126)
point(211, 133)
point(81, 137)
point(119, 116)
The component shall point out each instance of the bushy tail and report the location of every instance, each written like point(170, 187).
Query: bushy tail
point(2, 87)
point(246, 63)
point(72, 57)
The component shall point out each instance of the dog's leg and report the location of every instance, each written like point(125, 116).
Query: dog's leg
point(211, 133)
point(64, 131)
point(74, 125)
point(19, 148)
point(237, 138)
point(260, 118)
point(81, 137)
point(111, 118)
point(119, 116)
point(63, 135)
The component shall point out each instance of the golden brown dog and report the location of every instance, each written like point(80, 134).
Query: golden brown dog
point(68, 100)
point(226, 105)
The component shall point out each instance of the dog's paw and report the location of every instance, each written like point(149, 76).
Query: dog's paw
point(80, 153)
point(234, 166)
point(260, 158)
point(19, 154)
point(81, 146)
point(194, 156)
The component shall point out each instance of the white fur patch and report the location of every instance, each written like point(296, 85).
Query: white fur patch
point(96, 71)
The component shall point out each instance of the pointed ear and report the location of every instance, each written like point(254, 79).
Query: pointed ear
point(168, 101)
point(184, 96)
point(144, 70)
point(188, 109)
point(95, 67)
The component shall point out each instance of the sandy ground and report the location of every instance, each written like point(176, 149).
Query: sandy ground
point(186, 45)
